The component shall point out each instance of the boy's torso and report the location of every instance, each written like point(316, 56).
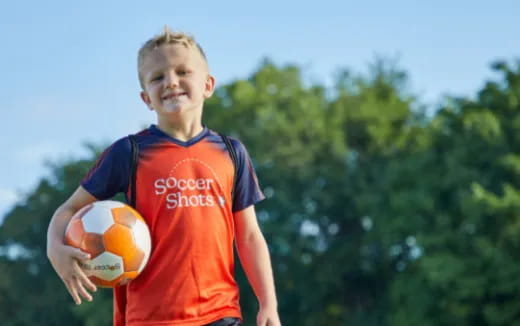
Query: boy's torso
point(184, 192)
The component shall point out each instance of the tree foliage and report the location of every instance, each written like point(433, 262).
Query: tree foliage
point(376, 213)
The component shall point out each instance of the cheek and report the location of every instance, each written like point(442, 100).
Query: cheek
point(154, 91)
point(201, 85)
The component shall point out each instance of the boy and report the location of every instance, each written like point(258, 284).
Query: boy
point(184, 183)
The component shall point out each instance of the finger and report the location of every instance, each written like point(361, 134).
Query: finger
point(81, 255)
point(78, 254)
point(72, 291)
point(81, 289)
point(80, 274)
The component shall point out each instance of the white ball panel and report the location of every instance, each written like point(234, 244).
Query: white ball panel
point(87, 267)
point(142, 240)
point(109, 204)
point(106, 266)
point(98, 219)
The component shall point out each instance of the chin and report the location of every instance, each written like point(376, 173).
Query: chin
point(172, 108)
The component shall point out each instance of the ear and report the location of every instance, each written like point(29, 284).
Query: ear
point(146, 99)
point(209, 86)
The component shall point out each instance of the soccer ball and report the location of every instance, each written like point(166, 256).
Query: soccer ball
point(117, 239)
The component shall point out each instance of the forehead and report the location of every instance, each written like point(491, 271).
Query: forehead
point(171, 55)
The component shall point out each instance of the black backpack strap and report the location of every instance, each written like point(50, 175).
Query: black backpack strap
point(233, 154)
point(133, 171)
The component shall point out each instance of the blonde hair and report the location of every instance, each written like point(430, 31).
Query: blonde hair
point(165, 38)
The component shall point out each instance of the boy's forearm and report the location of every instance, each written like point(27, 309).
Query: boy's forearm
point(58, 225)
point(254, 256)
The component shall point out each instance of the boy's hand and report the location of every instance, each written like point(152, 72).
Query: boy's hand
point(267, 317)
point(64, 260)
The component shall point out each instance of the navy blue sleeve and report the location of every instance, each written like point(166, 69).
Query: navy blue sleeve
point(247, 191)
point(110, 175)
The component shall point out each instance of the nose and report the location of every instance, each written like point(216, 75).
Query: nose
point(172, 80)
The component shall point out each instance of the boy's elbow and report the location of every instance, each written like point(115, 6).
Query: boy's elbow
point(250, 239)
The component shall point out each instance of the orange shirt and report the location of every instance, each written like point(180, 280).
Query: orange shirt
point(184, 194)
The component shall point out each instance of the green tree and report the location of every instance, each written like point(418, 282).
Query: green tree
point(31, 293)
point(318, 154)
point(376, 214)
point(467, 227)
point(321, 158)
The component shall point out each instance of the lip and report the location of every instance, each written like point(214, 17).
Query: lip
point(173, 95)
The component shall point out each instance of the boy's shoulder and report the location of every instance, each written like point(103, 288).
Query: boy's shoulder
point(123, 145)
point(235, 142)
point(139, 136)
point(238, 146)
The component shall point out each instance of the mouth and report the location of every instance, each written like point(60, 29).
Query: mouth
point(171, 96)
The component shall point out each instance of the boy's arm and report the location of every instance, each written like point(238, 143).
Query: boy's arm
point(254, 256)
point(64, 258)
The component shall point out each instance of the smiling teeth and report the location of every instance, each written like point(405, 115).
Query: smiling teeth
point(173, 96)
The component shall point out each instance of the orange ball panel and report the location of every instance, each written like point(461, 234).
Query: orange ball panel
point(128, 276)
point(93, 244)
point(136, 214)
point(74, 233)
point(104, 284)
point(124, 216)
point(120, 241)
point(132, 263)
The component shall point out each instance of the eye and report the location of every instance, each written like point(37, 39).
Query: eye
point(157, 78)
point(183, 72)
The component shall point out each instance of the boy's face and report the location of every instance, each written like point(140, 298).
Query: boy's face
point(176, 80)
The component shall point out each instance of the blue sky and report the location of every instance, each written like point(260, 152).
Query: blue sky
point(69, 68)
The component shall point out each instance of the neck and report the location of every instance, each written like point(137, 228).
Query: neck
point(182, 132)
